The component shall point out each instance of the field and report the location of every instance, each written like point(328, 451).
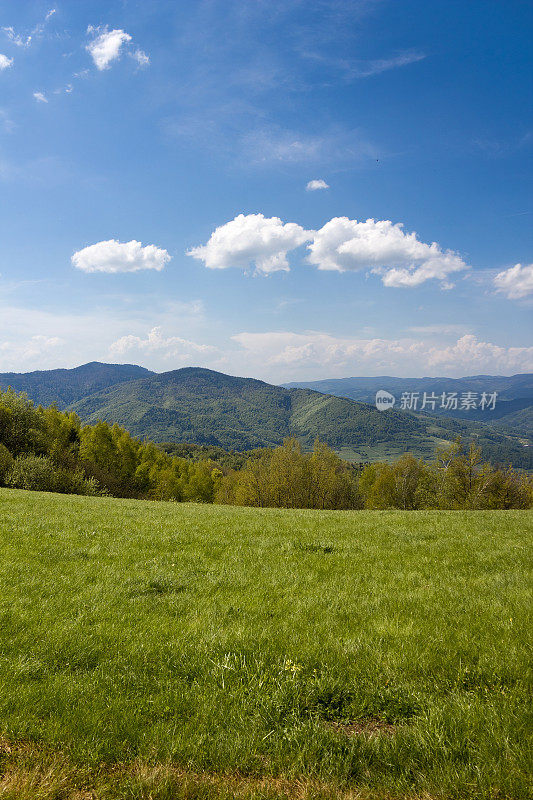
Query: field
point(161, 650)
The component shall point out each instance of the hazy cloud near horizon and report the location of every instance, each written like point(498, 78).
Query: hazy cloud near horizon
point(275, 356)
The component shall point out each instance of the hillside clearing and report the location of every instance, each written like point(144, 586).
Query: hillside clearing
point(172, 650)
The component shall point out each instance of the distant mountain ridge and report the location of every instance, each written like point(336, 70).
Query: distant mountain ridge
point(513, 409)
point(205, 407)
point(65, 386)
point(201, 406)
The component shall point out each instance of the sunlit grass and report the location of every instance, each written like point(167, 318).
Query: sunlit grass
point(179, 639)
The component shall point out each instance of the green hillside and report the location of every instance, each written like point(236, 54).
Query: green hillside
point(513, 409)
point(65, 386)
point(508, 387)
point(521, 420)
point(209, 408)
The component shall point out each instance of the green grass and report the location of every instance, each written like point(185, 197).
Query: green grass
point(222, 644)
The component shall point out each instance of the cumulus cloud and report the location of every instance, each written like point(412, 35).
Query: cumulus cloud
point(13, 354)
point(480, 356)
point(156, 344)
point(59, 337)
point(341, 245)
point(106, 45)
point(313, 185)
point(114, 256)
point(5, 62)
point(379, 245)
point(148, 334)
point(40, 97)
point(316, 351)
point(515, 282)
point(251, 239)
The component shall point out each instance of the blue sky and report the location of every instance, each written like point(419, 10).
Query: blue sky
point(156, 204)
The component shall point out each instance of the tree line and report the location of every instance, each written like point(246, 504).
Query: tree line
point(48, 450)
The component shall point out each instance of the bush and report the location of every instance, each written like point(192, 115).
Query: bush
point(40, 474)
point(6, 463)
point(68, 482)
point(33, 472)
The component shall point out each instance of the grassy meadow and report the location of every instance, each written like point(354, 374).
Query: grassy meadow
point(165, 650)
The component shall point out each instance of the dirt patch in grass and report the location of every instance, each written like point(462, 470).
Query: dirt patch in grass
point(31, 771)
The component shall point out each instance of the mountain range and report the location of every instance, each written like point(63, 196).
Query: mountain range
point(205, 407)
point(513, 408)
point(65, 386)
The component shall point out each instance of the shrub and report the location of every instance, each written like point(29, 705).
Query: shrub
point(6, 462)
point(33, 472)
point(68, 482)
point(40, 474)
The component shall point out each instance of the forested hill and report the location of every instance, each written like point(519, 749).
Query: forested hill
point(65, 386)
point(206, 407)
point(509, 387)
point(513, 409)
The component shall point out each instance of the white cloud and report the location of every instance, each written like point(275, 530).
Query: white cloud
point(5, 62)
point(13, 355)
point(156, 344)
point(142, 58)
point(17, 39)
point(291, 353)
point(366, 69)
point(341, 245)
point(106, 45)
point(68, 89)
point(25, 41)
point(313, 185)
point(353, 69)
point(251, 239)
point(515, 282)
point(114, 256)
point(481, 356)
point(46, 339)
point(159, 336)
point(379, 245)
point(40, 97)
